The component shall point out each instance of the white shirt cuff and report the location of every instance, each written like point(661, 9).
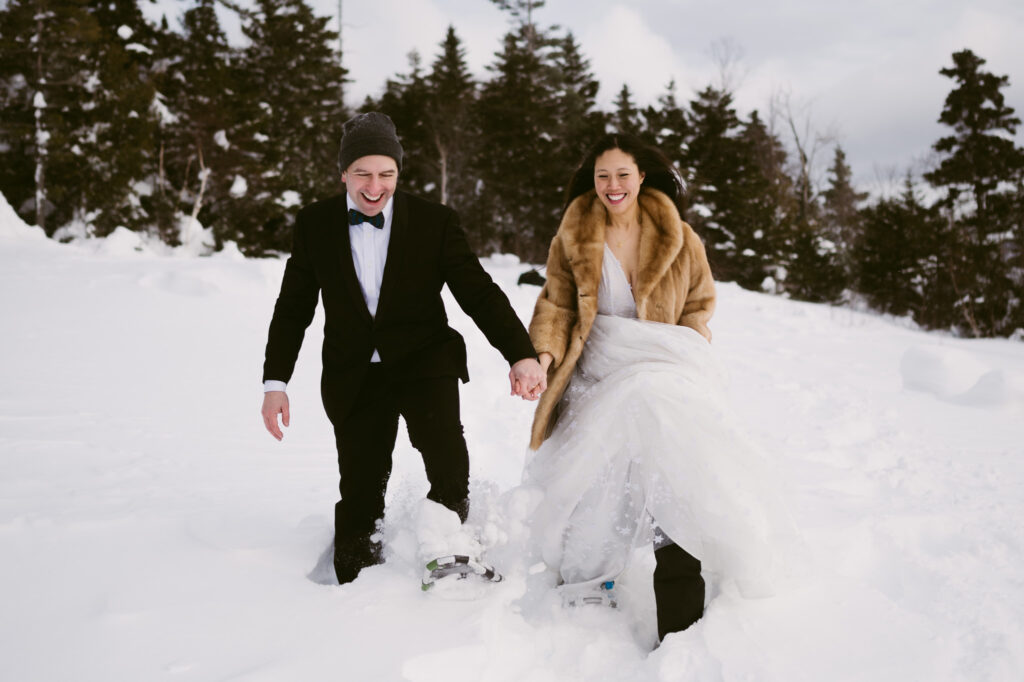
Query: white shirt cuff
point(272, 385)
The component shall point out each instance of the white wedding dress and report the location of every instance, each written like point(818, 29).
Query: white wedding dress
point(644, 444)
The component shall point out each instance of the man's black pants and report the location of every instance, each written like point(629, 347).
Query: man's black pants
point(366, 439)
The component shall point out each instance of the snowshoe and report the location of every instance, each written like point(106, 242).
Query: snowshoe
point(461, 567)
point(603, 596)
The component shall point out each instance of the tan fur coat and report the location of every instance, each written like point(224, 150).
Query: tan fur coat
point(674, 285)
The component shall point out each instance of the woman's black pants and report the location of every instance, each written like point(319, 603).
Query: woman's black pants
point(678, 589)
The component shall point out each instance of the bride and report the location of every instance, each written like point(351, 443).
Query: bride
point(632, 434)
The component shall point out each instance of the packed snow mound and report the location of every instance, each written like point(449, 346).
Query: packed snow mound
point(196, 240)
point(959, 376)
point(120, 242)
point(13, 228)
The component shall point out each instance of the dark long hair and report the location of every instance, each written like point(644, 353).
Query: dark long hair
point(657, 169)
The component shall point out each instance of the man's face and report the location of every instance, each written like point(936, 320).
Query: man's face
point(371, 181)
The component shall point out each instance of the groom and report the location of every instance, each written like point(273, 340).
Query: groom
point(379, 258)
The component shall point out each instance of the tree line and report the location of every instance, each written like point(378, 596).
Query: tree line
point(110, 121)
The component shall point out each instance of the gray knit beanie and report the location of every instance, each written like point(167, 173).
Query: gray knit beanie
point(367, 134)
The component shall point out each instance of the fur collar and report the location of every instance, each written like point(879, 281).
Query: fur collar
point(661, 239)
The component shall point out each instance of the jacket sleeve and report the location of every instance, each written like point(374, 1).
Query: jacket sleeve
point(555, 312)
point(294, 309)
point(700, 296)
point(480, 297)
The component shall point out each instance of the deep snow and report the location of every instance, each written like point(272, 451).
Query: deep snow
point(150, 529)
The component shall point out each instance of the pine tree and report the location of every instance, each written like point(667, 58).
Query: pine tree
point(713, 160)
point(202, 165)
point(20, 151)
point(627, 116)
point(841, 216)
point(813, 269)
point(980, 156)
point(408, 100)
point(121, 144)
point(730, 193)
point(576, 88)
point(521, 14)
point(1015, 259)
point(811, 257)
point(668, 129)
point(517, 111)
point(761, 199)
point(979, 166)
point(900, 259)
point(293, 73)
point(452, 128)
point(48, 103)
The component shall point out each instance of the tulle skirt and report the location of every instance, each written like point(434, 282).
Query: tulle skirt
point(645, 444)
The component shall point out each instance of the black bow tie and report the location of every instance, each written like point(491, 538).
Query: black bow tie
point(355, 217)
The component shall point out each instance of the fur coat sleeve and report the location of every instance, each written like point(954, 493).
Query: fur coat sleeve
point(556, 311)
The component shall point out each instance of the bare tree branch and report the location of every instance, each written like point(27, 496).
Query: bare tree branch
point(728, 55)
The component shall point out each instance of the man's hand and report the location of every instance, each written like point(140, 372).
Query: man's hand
point(275, 403)
point(528, 379)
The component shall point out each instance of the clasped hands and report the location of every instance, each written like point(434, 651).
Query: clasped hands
point(528, 378)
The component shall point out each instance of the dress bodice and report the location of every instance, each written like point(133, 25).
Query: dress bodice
point(614, 294)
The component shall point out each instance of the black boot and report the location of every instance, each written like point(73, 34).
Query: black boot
point(678, 589)
point(352, 556)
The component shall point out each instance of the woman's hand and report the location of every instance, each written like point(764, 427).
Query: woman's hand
point(527, 379)
point(545, 361)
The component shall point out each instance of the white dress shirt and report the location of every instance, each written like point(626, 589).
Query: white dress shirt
point(369, 254)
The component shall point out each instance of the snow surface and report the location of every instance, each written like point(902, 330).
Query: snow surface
point(152, 530)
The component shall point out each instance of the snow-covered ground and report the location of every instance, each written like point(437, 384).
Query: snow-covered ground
point(151, 530)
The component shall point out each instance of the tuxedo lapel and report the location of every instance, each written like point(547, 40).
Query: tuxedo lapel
point(393, 266)
point(342, 246)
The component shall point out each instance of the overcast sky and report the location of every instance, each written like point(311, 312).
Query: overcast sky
point(864, 70)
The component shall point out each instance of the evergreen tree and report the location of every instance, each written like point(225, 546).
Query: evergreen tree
point(668, 129)
point(1015, 259)
point(517, 111)
point(580, 122)
point(48, 96)
point(202, 166)
point(811, 257)
point(813, 269)
point(521, 14)
point(977, 173)
point(763, 198)
point(436, 120)
point(293, 73)
point(119, 149)
point(816, 256)
point(980, 154)
point(452, 128)
point(732, 202)
point(408, 100)
point(627, 116)
point(79, 96)
point(20, 152)
point(841, 216)
point(713, 160)
point(901, 258)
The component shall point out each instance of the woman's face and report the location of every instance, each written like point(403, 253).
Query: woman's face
point(617, 181)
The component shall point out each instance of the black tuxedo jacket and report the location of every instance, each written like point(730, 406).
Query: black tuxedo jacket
point(427, 250)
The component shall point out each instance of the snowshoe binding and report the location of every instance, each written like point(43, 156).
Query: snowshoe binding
point(458, 567)
point(604, 595)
